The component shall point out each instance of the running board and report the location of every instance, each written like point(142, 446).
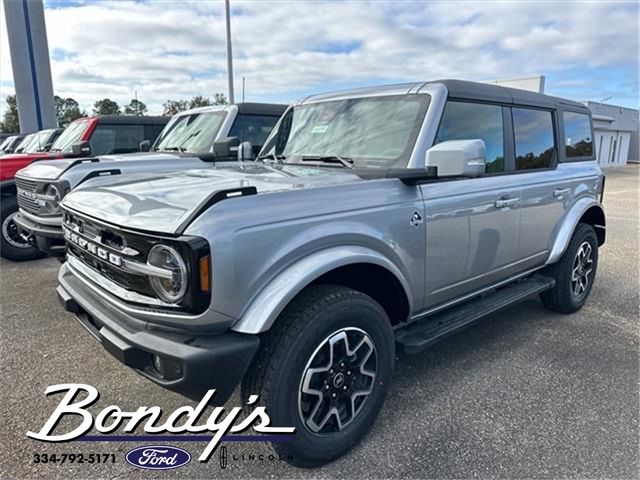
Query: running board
point(418, 336)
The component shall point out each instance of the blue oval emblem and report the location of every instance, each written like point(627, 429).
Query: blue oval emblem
point(158, 457)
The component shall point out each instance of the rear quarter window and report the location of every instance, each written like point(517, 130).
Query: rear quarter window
point(577, 135)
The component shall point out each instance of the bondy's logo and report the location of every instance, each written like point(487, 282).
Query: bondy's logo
point(158, 458)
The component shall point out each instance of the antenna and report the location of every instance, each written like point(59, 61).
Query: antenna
point(242, 114)
point(229, 52)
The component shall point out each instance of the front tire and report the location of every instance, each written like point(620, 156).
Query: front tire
point(574, 273)
point(324, 368)
point(12, 245)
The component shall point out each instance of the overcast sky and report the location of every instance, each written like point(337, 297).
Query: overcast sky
point(288, 49)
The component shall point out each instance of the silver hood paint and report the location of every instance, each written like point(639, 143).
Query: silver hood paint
point(52, 169)
point(162, 202)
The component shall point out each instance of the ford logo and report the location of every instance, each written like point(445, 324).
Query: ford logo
point(158, 457)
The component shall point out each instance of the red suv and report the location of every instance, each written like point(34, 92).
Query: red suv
point(101, 135)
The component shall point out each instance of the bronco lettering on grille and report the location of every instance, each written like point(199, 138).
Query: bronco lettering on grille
point(92, 248)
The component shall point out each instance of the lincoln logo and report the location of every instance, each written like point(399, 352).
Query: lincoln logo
point(92, 248)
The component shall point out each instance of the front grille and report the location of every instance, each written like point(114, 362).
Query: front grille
point(115, 245)
point(29, 185)
point(27, 203)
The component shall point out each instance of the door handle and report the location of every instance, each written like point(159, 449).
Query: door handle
point(561, 192)
point(506, 202)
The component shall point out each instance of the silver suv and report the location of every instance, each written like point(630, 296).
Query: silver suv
point(374, 220)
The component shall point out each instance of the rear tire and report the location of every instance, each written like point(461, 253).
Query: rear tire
point(574, 273)
point(12, 245)
point(328, 347)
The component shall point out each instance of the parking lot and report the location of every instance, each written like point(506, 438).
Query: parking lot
point(525, 393)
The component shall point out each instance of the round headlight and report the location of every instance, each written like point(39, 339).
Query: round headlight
point(52, 205)
point(170, 290)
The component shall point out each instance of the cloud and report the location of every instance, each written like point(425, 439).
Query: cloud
point(287, 49)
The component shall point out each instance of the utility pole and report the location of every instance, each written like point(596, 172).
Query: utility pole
point(229, 52)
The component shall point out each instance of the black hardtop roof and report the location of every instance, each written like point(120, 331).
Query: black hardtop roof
point(132, 119)
point(495, 93)
point(253, 108)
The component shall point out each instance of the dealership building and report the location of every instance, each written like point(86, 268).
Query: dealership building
point(616, 129)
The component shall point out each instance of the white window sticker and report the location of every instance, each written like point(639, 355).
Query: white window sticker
point(319, 129)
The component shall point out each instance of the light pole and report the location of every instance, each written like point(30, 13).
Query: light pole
point(229, 52)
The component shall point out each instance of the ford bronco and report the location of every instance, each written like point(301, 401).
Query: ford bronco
point(192, 139)
point(374, 220)
point(97, 135)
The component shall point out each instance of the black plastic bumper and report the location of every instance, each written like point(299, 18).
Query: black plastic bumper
point(47, 238)
point(189, 364)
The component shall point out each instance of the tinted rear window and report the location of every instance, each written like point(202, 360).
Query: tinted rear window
point(533, 131)
point(577, 135)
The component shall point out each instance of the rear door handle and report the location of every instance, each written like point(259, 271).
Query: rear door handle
point(506, 202)
point(561, 192)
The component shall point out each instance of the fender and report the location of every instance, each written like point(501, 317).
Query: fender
point(569, 224)
point(270, 302)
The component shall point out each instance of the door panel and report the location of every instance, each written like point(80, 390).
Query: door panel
point(544, 197)
point(471, 241)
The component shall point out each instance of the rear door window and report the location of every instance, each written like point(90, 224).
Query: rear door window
point(468, 121)
point(577, 135)
point(534, 138)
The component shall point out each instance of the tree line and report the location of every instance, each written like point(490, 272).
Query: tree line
point(68, 109)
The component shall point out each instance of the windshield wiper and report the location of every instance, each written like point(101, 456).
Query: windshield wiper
point(173, 149)
point(344, 161)
point(272, 156)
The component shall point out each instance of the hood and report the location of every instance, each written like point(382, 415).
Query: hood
point(163, 202)
point(10, 164)
point(52, 169)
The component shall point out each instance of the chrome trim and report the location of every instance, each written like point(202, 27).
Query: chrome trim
point(146, 269)
point(106, 284)
point(54, 221)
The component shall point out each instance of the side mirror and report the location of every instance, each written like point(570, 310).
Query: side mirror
point(227, 147)
point(245, 151)
point(457, 158)
point(81, 149)
point(47, 147)
point(145, 146)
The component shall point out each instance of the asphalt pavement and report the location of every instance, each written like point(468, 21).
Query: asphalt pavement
point(525, 393)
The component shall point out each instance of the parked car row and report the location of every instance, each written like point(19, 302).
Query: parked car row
point(370, 221)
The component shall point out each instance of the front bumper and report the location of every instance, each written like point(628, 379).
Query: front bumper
point(190, 364)
point(48, 238)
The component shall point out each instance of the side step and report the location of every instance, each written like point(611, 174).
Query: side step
point(421, 334)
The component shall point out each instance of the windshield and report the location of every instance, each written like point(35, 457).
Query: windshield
point(6, 143)
point(41, 139)
point(26, 144)
point(191, 133)
point(373, 132)
point(72, 134)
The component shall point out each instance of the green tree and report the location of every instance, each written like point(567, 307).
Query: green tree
point(10, 122)
point(135, 107)
point(220, 99)
point(67, 110)
point(106, 106)
point(199, 101)
point(171, 107)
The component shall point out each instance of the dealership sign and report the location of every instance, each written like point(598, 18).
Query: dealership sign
point(182, 420)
